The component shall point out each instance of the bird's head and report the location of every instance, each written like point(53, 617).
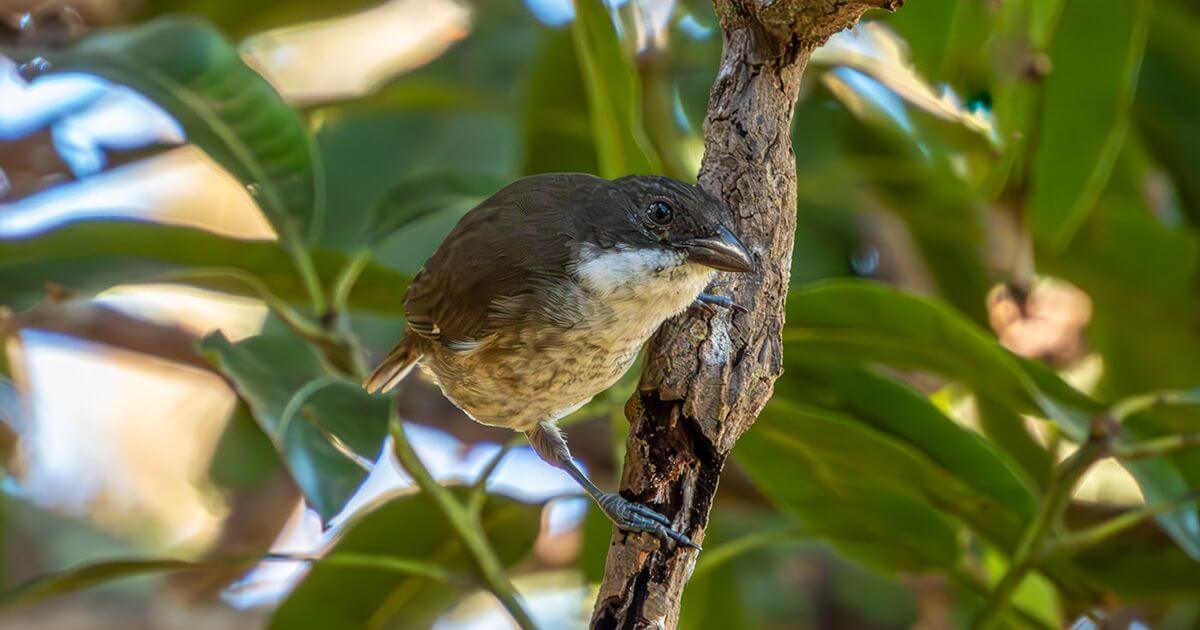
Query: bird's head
point(668, 214)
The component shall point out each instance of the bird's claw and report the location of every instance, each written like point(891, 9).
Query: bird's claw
point(635, 517)
point(707, 301)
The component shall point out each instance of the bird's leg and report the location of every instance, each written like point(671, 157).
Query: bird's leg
point(547, 440)
point(708, 301)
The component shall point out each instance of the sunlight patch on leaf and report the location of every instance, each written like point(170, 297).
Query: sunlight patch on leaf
point(351, 56)
point(877, 51)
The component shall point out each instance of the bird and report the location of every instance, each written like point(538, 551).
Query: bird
point(542, 296)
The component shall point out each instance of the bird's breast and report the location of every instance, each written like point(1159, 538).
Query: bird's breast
point(540, 369)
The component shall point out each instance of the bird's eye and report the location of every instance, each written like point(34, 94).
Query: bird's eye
point(660, 212)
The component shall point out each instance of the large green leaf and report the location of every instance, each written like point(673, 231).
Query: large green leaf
point(918, 172)
point(363, 164)
point(613, 94)
point(409, 528)
point(557, 128)
point(1007, 430)
point(94, 255)
point(861, 322)
point(906, 415)
point(857, 321)
point(860, 487)
point(417, 198)
point(1141, 276)
point(459, 114)
point(928, 27)
point(322, 425)
point(1096, 54)
point(854, 486)
point(1150, 570)
point(188, 68)
point(1168, 98)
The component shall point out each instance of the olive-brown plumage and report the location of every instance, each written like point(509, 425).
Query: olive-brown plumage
point(541, 297)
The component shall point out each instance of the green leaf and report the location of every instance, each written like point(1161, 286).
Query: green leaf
point(854, 486)
point(415, 199)
point(188, 68)
point(557, 128)
point(1168, 97)
point(918, 176)
point(242, 17)
point(904, 414)
point(362, 163)
point(1096, 54)
point(928, 28)
point(410, 527)
point(87, 576)
point(613, 94)
point(321, 425)
point(859, 487)
point(94, 255)
point(244, 456)
point(1149, 570)
point(1006, 429)
point(457, 114)
point(859, 322)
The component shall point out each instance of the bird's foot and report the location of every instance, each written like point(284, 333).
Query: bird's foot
point(635, 517)
point(708, 301)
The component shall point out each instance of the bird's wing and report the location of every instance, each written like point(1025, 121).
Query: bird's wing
point(494, 265)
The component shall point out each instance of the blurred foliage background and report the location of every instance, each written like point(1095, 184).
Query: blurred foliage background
point(209, 211)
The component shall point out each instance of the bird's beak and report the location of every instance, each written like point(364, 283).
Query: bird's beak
point(723, 252)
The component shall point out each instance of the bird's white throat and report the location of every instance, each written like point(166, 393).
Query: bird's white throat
point(647, 283)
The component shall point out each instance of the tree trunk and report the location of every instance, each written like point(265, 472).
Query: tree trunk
point(708, 376)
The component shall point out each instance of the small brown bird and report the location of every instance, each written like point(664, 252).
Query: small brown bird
point(541, 297)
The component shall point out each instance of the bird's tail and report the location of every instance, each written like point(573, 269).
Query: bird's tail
point(394, 368)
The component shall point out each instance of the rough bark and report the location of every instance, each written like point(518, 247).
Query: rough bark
point(708, 376)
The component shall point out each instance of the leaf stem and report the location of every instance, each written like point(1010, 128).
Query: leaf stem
point(1145, 402)
point(1073, 543)
point(300, 323)
point(342, 286)
point(1054, 502)
point(297, 402)
point(718, 555)
point(394, 564)
point(478, 494)
point(302, 257)
point(1158, 446)
point(971, 583)
point(467, 528)
point(344, 283)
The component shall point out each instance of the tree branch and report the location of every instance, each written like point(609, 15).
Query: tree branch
point(491, 572)
point(1049, 515)
point(707, 376)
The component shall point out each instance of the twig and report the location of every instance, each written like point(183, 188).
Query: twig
point(479, 489)
point(394, 564)
point(467, 528)
point(1145, 402)
point(1058, 494)
point(344, 284)
point(298, 400)
point(1158, 446)
point(300, 323)
point(969, 582)
point(302, 258)
point(1073, 543)
point(718, 555)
